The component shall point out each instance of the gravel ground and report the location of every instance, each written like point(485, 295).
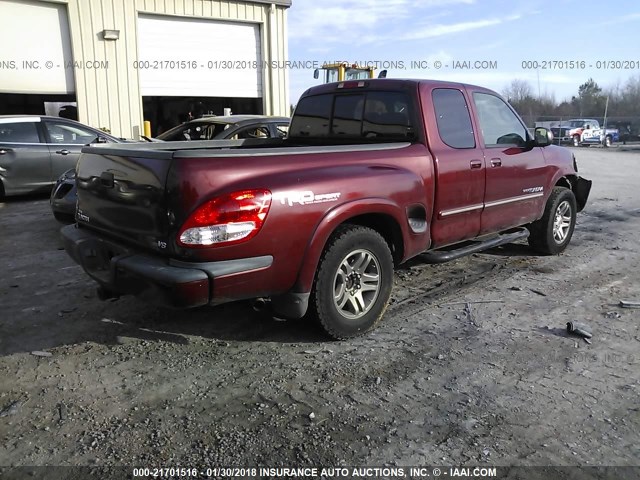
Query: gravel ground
point(471, 366)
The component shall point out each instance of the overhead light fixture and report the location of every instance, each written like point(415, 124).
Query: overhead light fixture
point(111, 34)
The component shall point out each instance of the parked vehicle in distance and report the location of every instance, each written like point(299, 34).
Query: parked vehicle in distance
point(341, 71)
point(560, 132)
point(372, 173)
point(587, 131)
point(575, 132)
point(36, 149)
point(628, 131)
point(230, 127)
point(64, 194)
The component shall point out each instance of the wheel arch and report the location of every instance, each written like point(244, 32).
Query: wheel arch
point(385, 225)
point(381, 215)
point(579, 186)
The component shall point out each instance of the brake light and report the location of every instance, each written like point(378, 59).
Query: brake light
point(227, 219)
point(351, 84)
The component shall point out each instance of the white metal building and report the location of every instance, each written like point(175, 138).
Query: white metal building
point(126, 61)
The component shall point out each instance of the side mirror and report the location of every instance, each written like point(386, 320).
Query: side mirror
point(316, 73)
point(543, 137)
point(102, 140)
point(382, 74)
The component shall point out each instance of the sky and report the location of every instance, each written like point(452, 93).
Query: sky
point(482, 42)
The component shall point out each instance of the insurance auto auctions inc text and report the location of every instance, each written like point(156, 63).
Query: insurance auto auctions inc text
point(356, 472)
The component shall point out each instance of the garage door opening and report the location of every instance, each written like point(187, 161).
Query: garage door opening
point(30, 104)
point(165, 113)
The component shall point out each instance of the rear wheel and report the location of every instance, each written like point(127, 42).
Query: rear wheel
point(353, 282)
point(552, 233)
point(1, 190)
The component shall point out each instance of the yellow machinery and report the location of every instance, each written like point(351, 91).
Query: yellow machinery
point(338, 72)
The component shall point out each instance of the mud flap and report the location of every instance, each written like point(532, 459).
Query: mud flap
point(581, 190)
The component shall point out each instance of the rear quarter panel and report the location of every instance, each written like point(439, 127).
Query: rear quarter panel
point(312, 195)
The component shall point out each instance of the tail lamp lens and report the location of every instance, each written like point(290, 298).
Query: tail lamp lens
point(226, 219)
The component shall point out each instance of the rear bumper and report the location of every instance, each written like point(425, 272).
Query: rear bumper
point(122, 270)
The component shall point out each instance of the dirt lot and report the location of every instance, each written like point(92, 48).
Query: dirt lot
point(472, 365)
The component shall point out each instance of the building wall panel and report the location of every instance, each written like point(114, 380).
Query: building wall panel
point(110, 96)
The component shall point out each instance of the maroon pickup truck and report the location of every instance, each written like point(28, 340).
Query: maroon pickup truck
point(372, 173)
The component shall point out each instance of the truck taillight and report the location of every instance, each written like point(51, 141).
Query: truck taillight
point(351, 84)
point(227, 219)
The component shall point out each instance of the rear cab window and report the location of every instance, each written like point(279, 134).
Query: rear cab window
point(373, 116)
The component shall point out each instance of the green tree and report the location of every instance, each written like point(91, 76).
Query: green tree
point(590, 101)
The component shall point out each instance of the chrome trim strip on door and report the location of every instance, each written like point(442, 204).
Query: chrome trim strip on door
point(455, 211)
point(470, 208)
point(519, 198)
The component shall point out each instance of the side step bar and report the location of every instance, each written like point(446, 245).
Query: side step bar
point(448, 255)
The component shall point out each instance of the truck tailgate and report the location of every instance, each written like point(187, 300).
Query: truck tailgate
point(125, 190)
point(124, 196)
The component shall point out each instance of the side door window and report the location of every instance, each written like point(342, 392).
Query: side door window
point(500, 126)
point(193, 132)
point(281, 130)
point(19, 132)
point(252, 132)
point(68, 134)
point(65, 143)
point(452, 118)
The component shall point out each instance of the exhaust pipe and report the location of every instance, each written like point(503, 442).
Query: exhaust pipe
point(261, 304)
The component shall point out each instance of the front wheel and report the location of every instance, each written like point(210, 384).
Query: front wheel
point(353, 282)
point(576, 140)
point(607, 141)
point(552, 233)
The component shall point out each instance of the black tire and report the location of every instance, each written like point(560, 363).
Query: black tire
point(1, 190)
point(608, 141)
point(576, 140)
point(552, 233)
point(344, 303)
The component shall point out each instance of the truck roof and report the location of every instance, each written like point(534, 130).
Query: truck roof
point(391, 83)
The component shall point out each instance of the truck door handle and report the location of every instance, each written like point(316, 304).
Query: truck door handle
point(63, 152)
point(475, 164)
point(496, 162)
point(4, 151)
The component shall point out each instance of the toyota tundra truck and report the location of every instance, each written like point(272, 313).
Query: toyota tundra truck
point(373, 173)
